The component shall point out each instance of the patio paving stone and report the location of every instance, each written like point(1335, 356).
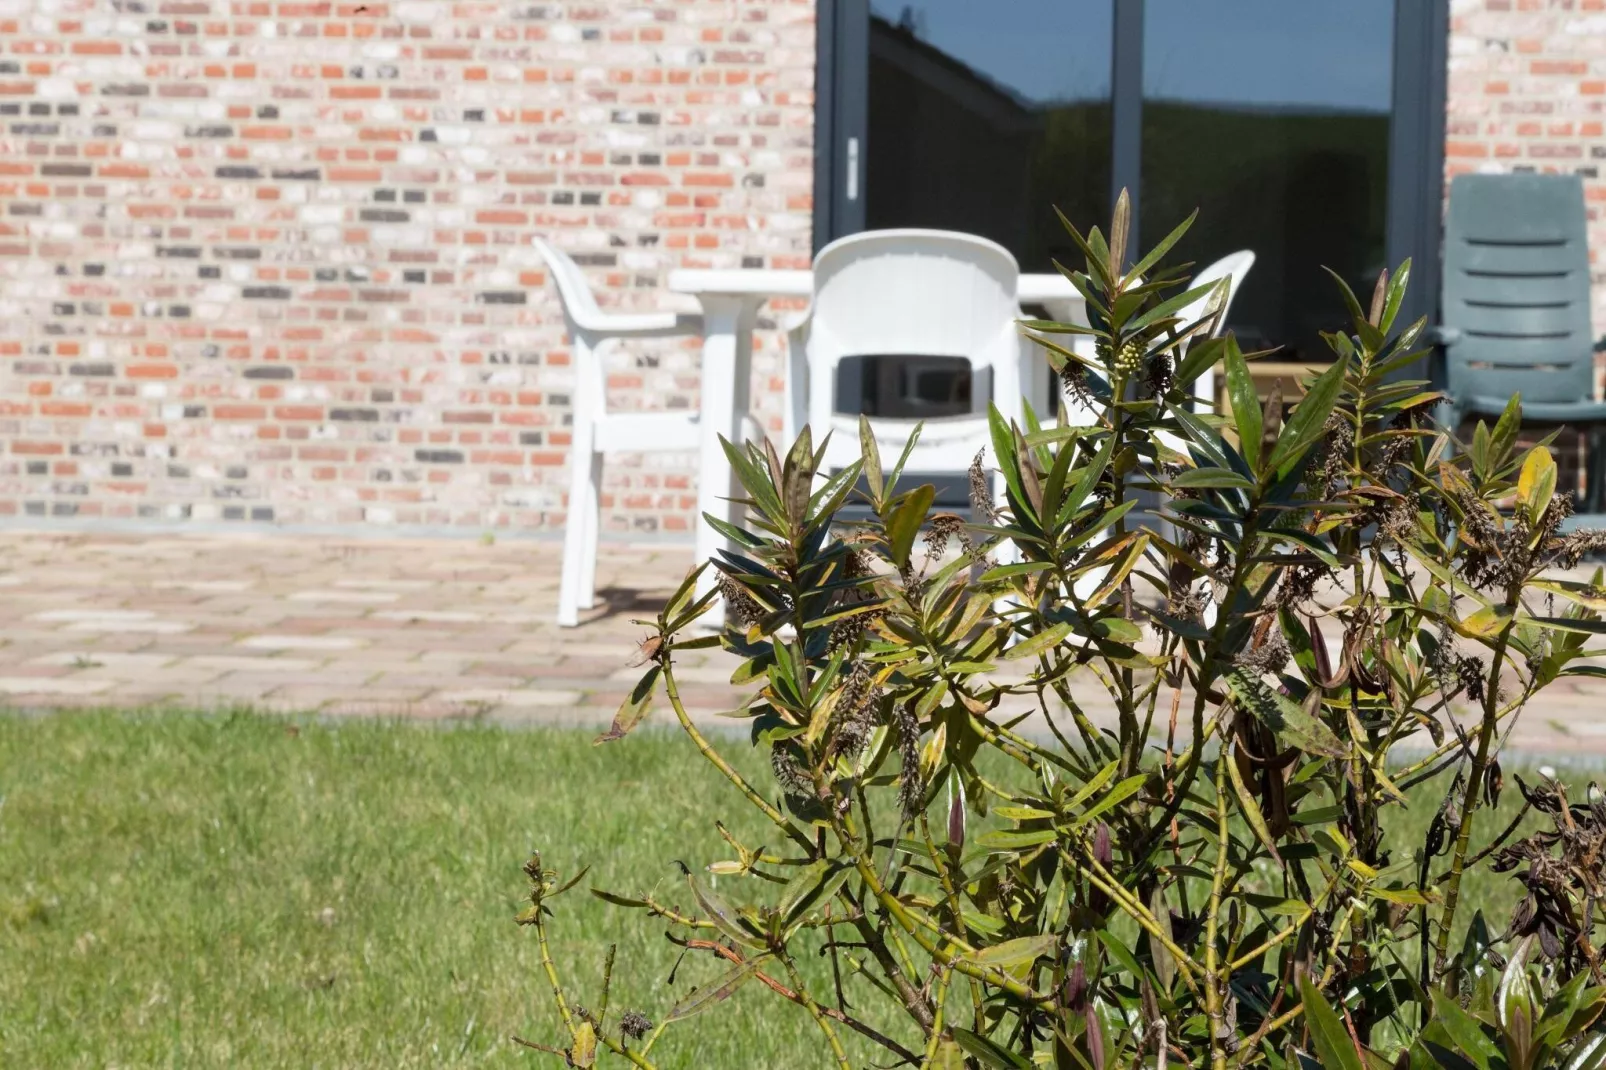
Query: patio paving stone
point(423, 629)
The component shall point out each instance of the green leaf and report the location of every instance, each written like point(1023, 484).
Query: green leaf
point(1333, 1044)
point(1004, 572)
point(1245, 404)
point(904, 523)
point(872, 457)
point(723, 917)
point(1405, 897)
point(1571, 624)
point(903, 458)
point(619, 900)
point(1091, 473)
point(1396, 294)
point(1363, 326)
point(1162, 247)
point(817, 883)
point(1170, 306)
point(1589, 1055)
point(1101, 778)
point(1120, 231)
point(1043, 641)
point(1284, 716)
point(1251, 808)
point(1465, 1031)
point(634, 709)
point(1013, 840)
point(715, 991)
point(1016, 952)
point(1506, 428)
point(754, 480)
point(1576, 591)
point(1120, 953)
point(1022, 813)
point(1201, 355)
point(1200, 478)
point(949, 1056)
point(1117, 795)
point(1009, 464)
point(683, 593)
point(989, 1053)
point(1305, 426)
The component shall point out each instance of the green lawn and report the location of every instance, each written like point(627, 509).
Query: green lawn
point(248, 891)
point(244, 891)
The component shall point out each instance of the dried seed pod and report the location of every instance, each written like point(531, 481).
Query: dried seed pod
point(981, 491)
point(912, 790)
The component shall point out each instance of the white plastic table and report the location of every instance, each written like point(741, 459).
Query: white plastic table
point(730, 300)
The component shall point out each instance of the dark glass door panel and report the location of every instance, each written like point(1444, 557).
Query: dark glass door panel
point(984, 115)
point(1272, 118)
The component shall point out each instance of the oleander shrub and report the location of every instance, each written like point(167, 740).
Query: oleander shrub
point(1104, 775)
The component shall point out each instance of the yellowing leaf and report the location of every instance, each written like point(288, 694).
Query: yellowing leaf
point(584, 1052)
point(1037, 644)
point(1015, 952)
point(1537, 483)
point(1485, 623)
point(634, 709)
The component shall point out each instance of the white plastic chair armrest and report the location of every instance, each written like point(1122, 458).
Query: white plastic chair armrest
point(647, 324)
point(798, 322)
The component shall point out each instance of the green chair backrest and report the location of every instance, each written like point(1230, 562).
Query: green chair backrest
point(1516, 288)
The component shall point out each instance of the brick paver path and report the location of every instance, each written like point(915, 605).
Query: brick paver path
point(380, 627)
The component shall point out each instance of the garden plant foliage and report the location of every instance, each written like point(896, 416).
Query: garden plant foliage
point(1283, 614)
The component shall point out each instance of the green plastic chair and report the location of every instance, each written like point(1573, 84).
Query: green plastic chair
point(1516, 307)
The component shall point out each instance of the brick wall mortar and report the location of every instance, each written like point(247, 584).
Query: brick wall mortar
point(270, 262)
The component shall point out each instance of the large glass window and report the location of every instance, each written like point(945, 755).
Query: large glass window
point(982, 117)
point(1272, 118)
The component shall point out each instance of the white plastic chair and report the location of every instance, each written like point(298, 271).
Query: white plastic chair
point(1233, 267)
point(917, 292)
point(596, 430)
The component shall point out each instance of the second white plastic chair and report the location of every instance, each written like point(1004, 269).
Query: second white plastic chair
point(596, 430)
point(915, 292)
point(1233, 267)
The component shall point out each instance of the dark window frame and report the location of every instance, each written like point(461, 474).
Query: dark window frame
point(1416, 128)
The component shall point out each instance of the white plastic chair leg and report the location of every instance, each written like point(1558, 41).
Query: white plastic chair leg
point(578, 534)
point(591, 518)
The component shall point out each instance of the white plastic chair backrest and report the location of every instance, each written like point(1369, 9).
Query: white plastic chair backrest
point(579, 304)
point(584, 319)
point(916, 292)
point(1233, 267)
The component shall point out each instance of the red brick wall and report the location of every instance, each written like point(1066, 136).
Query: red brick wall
point(270, 261)
point(1527, 90)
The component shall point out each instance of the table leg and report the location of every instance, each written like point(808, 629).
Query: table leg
point(726, 375)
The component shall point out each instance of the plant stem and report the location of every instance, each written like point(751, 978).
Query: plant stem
point(900, 914)
point(1214, 984)
point(817, 1014)
point(718, 761)
point(940, 997)
point(1469, 801)
point(552, 974)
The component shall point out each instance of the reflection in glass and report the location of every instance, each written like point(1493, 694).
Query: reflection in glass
point(984, 115)
point(1272, 118)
